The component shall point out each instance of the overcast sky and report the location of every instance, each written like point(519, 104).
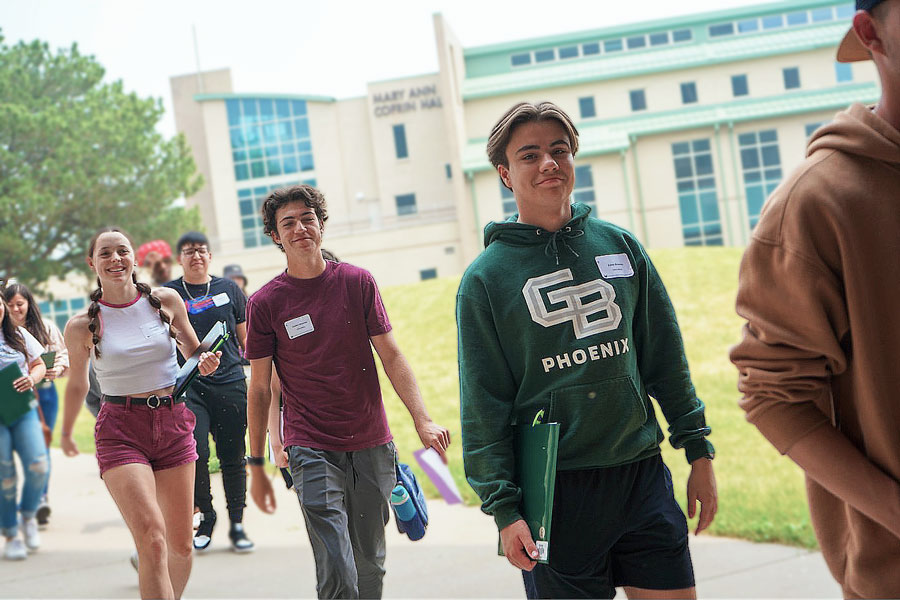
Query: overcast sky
point(322, 47)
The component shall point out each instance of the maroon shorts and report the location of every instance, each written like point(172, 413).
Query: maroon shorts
point(162, 437)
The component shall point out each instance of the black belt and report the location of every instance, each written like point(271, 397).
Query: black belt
point(153, 401)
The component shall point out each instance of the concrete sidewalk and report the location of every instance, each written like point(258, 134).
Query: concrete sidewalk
point(85, 554)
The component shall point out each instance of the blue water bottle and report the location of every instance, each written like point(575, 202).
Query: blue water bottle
point(410, 522)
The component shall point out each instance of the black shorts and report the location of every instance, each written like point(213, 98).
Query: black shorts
point(613, 527)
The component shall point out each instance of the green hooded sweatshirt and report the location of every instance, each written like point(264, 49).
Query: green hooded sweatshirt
point(576, 322)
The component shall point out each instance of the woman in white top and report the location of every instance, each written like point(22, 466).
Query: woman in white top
point(144, 437)
point(23, 435)
point(25, 313)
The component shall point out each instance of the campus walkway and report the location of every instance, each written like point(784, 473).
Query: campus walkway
point(86, 549)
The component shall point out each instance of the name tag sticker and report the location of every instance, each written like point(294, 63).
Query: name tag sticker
point(152, 328)
point(221, 299)
point(299, 326)
point(614, 265)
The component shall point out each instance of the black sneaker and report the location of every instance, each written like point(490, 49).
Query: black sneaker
point(239, 541)
point(203, 536)
point(43, 514)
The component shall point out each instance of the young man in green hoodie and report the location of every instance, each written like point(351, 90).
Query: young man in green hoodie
point(566, 313)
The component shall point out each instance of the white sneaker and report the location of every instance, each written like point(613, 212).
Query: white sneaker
point(30, 533)
point(15, 550)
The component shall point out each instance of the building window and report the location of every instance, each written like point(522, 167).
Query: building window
point(612, 45)
point(250, 202)
point(682, 35)
point(739, 85)
point(584, 186)
point(791, 78)
point(638, 100)
point(568, 52)
point(820, 15)
point(773, 22)
point(748, 26)
point(509, 201)
point(400, 141)
point(721, 29)
point(659, 39)
point(635, 42)
point(521, 59)
point(60, 311)
point(586, 107)
point(697, 199)
point(406, 204)
point(811, 128)
point(427, 274)
point(845, 11)
point(762, 169)
point(268, 137)
point(843, 72)
point(545, 55)
point(590, 48)
point(689, 93)
point(448, 171)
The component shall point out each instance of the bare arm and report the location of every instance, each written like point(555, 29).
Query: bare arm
point(276, 438)
point(78, 342)
point(240, 330)
point(259, 398)
point(400, 373)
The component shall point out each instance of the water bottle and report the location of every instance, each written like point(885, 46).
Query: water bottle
point(409, 521)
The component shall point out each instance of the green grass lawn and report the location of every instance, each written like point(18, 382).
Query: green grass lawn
point(761, 494)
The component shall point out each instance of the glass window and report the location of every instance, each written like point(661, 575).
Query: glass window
point(400, 141)
point(545, 55)
point(659, 39)
point(612, 45)
point(306, 162)
point(822, 14)
point(406, 204)
point(761, 163)
point(521, 59)
point(638, 41)
point(843, 72)
point(697, 198)
point(234, 112)
point(638, 100)
point(689, 92)
point(748, 26)
point(586, 107)
point(283, 109)
point(266, 109)
point(427, 274)
point(298, 107)
point(590, 48)
point(508, 200)
point(682, 35)
point(739, 85)
point(721, 29)
point(773, 22)
point(811, 127)
point(584, 186)
point(568, 52)
point(797, 18)
point(250, 114)
point(791, 78)
point(447, 171)
point(845, 11)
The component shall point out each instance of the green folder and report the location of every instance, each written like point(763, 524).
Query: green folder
point(536, 448)
point(49, 358)
point(13, 404)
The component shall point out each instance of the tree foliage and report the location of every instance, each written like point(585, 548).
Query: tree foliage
point(77, 154)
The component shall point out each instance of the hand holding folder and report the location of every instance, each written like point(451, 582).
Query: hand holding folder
point(536, 448)
point(13, 404)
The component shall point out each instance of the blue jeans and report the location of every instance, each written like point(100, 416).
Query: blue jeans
point(49, 401)
point(25, 437)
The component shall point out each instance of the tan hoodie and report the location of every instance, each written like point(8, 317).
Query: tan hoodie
point(820, 359)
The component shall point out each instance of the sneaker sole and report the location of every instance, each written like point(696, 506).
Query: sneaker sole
point(242, 550)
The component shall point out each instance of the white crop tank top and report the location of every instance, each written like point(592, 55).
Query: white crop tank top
point(137, 354)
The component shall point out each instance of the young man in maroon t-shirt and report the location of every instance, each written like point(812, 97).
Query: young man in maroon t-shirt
point(315, 322)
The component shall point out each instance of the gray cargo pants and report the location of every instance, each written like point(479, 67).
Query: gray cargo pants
point(344, 497)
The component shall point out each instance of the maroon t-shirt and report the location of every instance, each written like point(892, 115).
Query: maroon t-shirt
point(317, 331)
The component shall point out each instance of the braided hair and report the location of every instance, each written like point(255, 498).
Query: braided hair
point(94, 325)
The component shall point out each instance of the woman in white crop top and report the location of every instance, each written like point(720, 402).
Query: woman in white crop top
point(144, 437)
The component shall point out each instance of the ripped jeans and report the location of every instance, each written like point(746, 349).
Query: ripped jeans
point(25, 437)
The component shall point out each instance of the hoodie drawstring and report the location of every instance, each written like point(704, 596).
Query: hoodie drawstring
point(557, 237)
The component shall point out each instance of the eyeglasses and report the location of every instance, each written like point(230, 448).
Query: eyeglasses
point(188, 252)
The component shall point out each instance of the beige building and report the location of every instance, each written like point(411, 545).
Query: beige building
point(687, 124)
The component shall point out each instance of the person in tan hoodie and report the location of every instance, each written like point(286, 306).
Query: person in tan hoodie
point(819, 288)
